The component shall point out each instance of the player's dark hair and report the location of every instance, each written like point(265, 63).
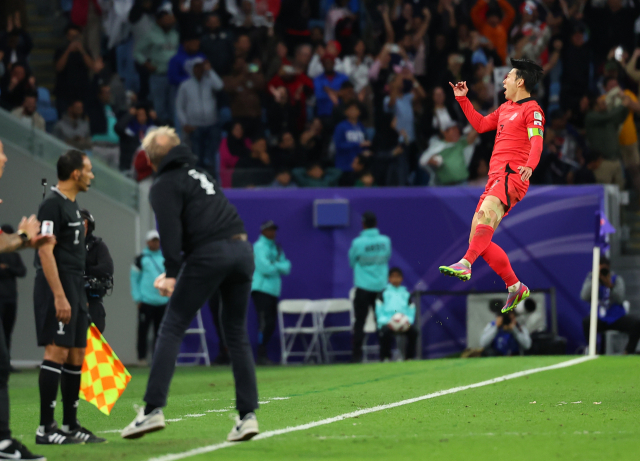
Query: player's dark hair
point(72, 26)
point(494, 10)
point(69, 162)
point(529, 71)
point(31, 94)
point(351, 104)
point(608, 79)
point(396, 270)
point(369, 220)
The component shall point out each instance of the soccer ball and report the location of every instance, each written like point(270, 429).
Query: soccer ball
point(399, 323)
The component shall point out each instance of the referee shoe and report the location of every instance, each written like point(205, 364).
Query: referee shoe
point(244, 429)
point(83, 434)
point(54, 436)
point(144, 424)
point(12, 449)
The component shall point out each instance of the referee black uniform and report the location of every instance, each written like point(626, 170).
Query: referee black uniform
point(205, 247)
point(64, 343)
point(70, 253)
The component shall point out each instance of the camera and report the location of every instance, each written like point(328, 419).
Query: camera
point(98, 288)
point(506, 319)
point(604, 272)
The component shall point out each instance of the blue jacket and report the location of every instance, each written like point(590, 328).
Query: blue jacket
point(394, 300)
point(180, 66)
point(369, 257)
point(144, 272)
point(271, 265)
point(324, 105)
point(347, 138)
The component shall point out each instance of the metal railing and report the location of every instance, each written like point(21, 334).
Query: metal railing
point(48, 148)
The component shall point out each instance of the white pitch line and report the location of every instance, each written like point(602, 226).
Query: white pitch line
point(364, 411)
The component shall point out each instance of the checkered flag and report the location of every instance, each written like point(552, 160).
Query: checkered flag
point(104, 377)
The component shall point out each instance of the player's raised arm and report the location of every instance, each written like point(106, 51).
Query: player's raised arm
point(480, 123)
point(534, 119)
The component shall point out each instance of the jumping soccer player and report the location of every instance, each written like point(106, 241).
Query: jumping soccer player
point(519, 123)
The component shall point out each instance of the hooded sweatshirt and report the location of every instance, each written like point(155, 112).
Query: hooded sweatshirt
point(190, 207)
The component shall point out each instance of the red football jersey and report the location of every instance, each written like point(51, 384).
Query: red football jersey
point(516, 123)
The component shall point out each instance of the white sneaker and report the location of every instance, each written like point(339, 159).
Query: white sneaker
point(144, 424)
point(244, 429)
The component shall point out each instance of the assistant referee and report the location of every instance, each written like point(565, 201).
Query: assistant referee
point(205, 247)
point(60, 303)
point(26, 237)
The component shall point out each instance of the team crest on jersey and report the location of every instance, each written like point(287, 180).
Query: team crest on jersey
point(537, 116)
point(537, 123)
point(513, 116)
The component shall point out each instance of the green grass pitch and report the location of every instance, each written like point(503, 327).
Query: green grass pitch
point(529, 418)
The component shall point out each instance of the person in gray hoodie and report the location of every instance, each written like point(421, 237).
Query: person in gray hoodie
point(197, 112)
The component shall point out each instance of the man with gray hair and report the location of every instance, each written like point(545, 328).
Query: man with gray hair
point(205, 247)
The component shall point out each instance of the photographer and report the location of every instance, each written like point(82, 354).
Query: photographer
point(611, 314)
point(504, 336)
point(98, 273)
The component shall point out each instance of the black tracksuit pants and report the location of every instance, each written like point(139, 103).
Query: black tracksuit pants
point(361, 303)
point(226, 265)
point(148, 316)
point(629, 324)
point(8, 310)
point(386, 335)
point(267, 310)
point(5, 366)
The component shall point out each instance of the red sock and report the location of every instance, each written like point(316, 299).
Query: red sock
point(479, 242)
point(499, 262)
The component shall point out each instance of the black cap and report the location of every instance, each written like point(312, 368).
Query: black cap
point(369, 219)
point(268, 225)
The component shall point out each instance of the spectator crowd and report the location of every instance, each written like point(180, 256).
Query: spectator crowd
point(317, 93)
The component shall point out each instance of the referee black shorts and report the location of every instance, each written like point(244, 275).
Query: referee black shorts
point(48, 329)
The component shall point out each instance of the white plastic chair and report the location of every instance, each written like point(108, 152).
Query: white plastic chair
point(304, 309)
point(327, 307)
point(204, 352)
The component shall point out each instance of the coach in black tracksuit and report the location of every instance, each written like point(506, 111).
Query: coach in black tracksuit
point(11, 267)
point(205, 247)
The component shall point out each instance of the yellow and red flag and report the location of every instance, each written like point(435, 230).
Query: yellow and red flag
point(104, 377)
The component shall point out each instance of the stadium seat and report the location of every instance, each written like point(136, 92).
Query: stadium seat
point(306, 327)
point(333, 308)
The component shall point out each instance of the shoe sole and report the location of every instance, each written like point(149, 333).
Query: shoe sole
point(453, 273)
point(518, 300)
point(137, 435)
point(244, 437)
point(79, 443)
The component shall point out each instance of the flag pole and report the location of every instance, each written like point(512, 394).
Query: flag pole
point(595, 283)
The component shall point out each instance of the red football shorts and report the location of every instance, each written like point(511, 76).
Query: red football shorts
point(508, 187)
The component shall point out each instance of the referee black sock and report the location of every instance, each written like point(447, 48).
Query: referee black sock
point(70, 387)
point(48, 383)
